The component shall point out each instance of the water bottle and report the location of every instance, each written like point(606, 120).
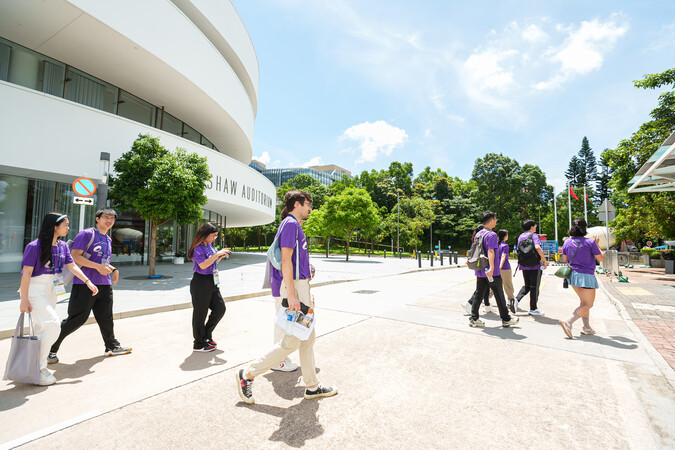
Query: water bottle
point(290, 319)
point(490, 279)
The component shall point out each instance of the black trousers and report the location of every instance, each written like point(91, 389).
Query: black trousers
point(482, 286)
point(205, 295)
point(531, 279)
point(486, 298)
point(81, 304)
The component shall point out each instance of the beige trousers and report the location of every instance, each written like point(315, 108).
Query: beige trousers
point(288, 344)
point(507, 282)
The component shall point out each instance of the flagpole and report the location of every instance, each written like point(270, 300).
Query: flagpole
point(585, 212)
point(555, 215)
point(569, 202)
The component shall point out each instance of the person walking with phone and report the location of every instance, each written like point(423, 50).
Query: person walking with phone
point(204, 287)
point(296, 290)
point(42, 283)
point(92, 250)
point(582, 253)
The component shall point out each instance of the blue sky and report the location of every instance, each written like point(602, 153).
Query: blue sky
point(440, 83)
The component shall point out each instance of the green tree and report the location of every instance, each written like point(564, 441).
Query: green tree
point(603, 179)
point(419, 214)
point(588, 164)
point(307, 183)
point(574, 170)
point(160, 185)
point(349, 211)
point(317, 226)
point(644, 215)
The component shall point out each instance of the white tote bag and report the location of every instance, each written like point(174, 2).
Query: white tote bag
point(23, 364)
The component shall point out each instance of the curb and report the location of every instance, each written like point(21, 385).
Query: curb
point(4, 334)
point(663, 366)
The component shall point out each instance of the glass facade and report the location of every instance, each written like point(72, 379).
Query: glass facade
point(280, 176)
point(22, 66)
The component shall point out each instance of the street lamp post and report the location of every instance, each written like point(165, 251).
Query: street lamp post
point(102, 190)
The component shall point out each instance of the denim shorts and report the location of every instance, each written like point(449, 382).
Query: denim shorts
point(583, 280)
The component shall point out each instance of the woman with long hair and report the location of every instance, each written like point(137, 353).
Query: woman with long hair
point(507, 279)
point(42, 281)
point(581, 253)
point(204, 287)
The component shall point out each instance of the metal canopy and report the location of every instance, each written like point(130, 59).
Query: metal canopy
point(658, 173)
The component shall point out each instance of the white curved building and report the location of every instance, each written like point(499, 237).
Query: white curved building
point(79, 78)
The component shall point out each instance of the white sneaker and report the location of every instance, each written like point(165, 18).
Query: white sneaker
point(489, 310)
point(46, 378)
point(286, 366)
point(536, 312)
point(516, 303)
point(467, 307)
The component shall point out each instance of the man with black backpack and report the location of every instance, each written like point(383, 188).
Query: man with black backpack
point(484, 261)
point(532, 262)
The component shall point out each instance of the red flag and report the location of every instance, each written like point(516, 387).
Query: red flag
point(573, 194)
point(586, 198)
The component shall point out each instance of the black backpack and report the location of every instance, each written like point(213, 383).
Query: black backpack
point(527, 253)
point(477, 258)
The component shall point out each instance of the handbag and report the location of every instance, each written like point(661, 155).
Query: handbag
point(23, 363)
point(566, 271)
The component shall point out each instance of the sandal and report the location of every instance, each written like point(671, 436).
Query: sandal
point(566, 328)
point(587, 331)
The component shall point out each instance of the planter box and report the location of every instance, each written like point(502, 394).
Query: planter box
point(178, 260)
point(658, 263)
point(670, 266)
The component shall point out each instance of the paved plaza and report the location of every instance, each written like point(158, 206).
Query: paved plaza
point(396, 342)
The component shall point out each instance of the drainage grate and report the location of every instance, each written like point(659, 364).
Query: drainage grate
point(365, 291)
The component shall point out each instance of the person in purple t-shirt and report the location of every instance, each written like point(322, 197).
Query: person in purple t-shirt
point(42, 281)
point(490, 278)
point(92, 250)
point(293, 282)
point(581, 254)
point(505, 266)
point(204, 288)
point(531, 274)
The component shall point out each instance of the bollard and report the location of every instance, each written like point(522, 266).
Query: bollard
point(456, 254)
point(432, 259)
point(441, 258)
point(399, 253)
point(419, 260)
point(385, 254)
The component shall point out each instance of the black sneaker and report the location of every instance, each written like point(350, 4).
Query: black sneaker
point(52, 358)
point(119, 350)
point(512, 305)
point(321, 391)
point(245, 387)
point(205, 348)
point(212, 342)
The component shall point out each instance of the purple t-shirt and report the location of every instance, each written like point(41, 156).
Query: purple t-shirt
point(200, 254)
point(287, 240)
point(536, 240)
point(504, 250)
point(60, 257)
point(100, 250)
point(584, 261)
point(490, 242)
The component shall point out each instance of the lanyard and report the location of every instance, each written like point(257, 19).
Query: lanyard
point(104, 246)
point(58, 263)
point(211, 251)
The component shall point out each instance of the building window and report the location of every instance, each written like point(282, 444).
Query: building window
point(4, 61)
point(190, 133)
point(172, 125)
point(134, 108)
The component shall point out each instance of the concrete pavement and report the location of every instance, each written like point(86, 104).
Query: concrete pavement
point(410, 371)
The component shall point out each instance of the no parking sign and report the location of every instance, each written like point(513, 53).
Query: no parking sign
point(84, 187)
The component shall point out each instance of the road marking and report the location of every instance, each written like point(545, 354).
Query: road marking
point(49, 430)
point(653, 307)
point(633, 290)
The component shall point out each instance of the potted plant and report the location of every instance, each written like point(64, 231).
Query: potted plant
point(179, 257)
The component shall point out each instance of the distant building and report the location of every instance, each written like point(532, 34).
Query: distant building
point(325, 175)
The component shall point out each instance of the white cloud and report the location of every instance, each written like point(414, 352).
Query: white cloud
point(583, 51)
point(264, 158)
point(534, 34)
point(375, 139)
point(485, 68)
point(316, 161)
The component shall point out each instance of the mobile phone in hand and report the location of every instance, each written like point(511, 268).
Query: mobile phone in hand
point(304, 308)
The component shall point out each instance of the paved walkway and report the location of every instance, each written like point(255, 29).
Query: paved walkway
point(648, 299)
point(241, 277)
point(410, 372)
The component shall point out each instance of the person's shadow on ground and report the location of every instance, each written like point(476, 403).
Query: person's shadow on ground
point(285, 384)
point(199, 360)
point(503, 333)
point(18, 395)
point(78, 369)
point(299, 423)
point(612, 341)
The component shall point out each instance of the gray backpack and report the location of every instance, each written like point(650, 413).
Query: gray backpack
point(477, 258)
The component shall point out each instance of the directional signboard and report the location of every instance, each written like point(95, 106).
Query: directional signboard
point(606, 205)
point(83, 201)
point(604, 217)
point(84, 187)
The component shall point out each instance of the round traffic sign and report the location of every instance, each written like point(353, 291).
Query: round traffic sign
point(84, 187)
point(649, 243)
